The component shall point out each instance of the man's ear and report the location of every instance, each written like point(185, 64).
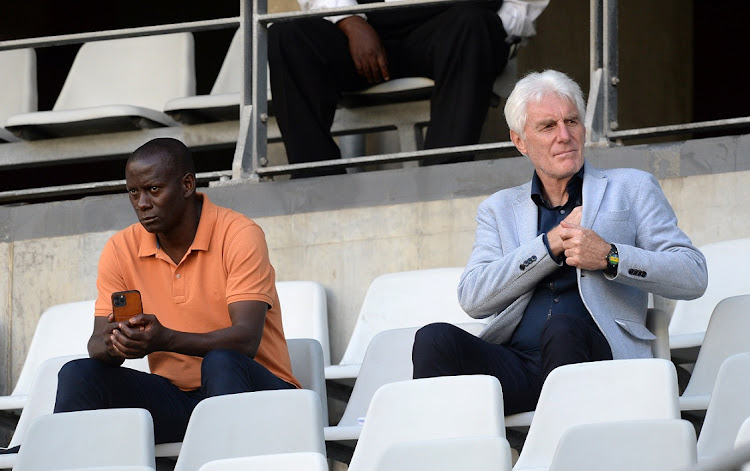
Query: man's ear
point(188, 184)
point(518, 142)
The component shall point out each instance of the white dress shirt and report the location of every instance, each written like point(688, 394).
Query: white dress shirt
point(518, 16)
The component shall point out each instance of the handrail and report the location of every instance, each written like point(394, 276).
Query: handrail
point(675, 129)
point(78, 38)
point(426, 154)
point(265, 18)
point(90, 188)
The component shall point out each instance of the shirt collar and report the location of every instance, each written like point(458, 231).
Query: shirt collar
point(209, 214)
point(574, 188)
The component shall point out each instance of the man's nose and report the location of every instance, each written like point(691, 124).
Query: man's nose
point(144, 201)
point(563, 133)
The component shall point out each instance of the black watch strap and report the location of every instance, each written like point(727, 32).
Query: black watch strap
point(613, 260)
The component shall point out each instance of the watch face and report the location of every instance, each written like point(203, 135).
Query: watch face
point(613, 259)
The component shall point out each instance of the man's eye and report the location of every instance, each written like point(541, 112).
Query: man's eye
point(154, 189)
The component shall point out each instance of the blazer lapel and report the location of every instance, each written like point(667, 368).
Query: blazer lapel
point(525, 212)
point(594, 184)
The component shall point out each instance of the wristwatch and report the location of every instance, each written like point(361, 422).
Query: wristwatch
point(613, 259)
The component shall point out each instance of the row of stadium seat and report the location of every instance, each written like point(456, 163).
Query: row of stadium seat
point(615, 415)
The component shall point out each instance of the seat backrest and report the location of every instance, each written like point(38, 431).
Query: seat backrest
point(18, 93)
point(602, 391)
point(722, 260)
point(427, 409)
point(306, 356)
point(643, 445)
point(76, 440)
point(142, 71)
point(743, 434)
point(657, 322)
point(43, 392)
point(728, 333)
point(405, 299)
point(249, 424)
point(230, 75)
point(278, 462)
point(743, 440)
point(63, 329)
point(304, 312)
point(728, 409)
point(388, 360)
point(448, 454)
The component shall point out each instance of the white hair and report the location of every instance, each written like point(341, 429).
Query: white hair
point(532, 88)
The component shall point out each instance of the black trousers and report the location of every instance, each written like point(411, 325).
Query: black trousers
point(89, 384)
point(445, 350)
point(462, 48)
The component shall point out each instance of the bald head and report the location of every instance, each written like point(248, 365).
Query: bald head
point(171, 156)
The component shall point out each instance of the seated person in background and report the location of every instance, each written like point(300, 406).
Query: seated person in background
point(564, 262)
point(212, 322)
point(463, 47)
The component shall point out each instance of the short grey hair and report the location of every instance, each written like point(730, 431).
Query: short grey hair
point(532, 88)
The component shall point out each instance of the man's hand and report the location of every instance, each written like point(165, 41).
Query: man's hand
point(553, 237)
point(139, 336)
point(366, 49)
point(583, 247)
point(107, 334)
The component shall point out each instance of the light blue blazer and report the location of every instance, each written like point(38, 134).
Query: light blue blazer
point(625, 207)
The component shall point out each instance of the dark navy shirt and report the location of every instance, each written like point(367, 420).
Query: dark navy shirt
point(558, 292)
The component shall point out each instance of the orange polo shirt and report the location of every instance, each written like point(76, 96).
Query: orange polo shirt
point(226, 263)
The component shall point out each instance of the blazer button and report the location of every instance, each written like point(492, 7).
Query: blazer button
point(643, 274)
point(631, 272)
point(522, 266)
point(533, 258)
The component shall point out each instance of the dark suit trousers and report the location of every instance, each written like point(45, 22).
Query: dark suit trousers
point(462, 48)
point(445, 350)
point(89, 384)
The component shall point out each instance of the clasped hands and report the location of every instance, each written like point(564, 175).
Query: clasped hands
point(134, 338)
point(581, 247)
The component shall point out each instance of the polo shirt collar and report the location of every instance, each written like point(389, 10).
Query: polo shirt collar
point(209, 214)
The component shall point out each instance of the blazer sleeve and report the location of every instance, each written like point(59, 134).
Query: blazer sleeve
point(662, 261)
point(500, 269)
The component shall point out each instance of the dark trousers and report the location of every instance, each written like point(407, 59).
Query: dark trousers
point(462, 48)
point(88, 384)
point(445, 350)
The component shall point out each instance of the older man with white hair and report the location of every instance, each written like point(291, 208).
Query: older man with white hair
point(562, 264)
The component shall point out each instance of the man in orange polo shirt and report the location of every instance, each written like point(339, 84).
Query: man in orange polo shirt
point(211, 322)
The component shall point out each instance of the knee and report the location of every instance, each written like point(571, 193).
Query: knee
point(77, 372)
point(278, 32)
point(220, 360)
point(433, 339)
point(287, 34)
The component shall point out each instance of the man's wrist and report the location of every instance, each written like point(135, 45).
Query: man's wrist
point(613, 261)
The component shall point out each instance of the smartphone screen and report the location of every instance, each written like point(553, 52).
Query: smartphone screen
point(126, 304)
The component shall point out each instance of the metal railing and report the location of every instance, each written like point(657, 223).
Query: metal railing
point(249, 134)
point(250, 157)
point(602, 123)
